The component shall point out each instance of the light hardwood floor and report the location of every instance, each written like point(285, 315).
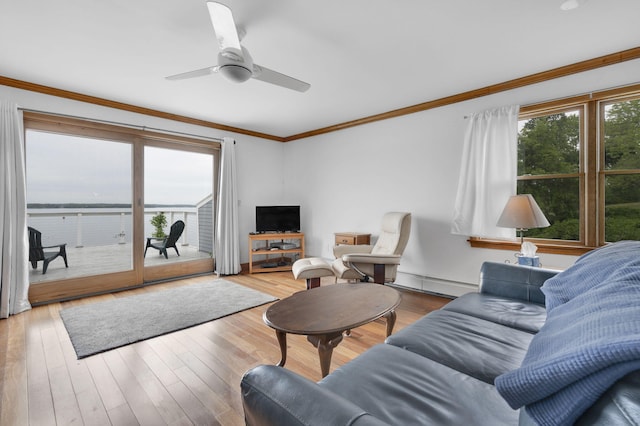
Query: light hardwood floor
point(183, 378)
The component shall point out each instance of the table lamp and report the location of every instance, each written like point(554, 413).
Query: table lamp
point(522, 213)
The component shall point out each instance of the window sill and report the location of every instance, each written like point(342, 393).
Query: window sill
point(544, 246)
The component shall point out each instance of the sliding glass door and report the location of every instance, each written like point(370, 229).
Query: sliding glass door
point(178, 211)
point(106, 199)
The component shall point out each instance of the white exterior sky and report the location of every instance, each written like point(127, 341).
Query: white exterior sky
point(65, 169)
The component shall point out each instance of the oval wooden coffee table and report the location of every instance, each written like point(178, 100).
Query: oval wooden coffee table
point(323, 314)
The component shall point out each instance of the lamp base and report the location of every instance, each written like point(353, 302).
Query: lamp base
point(521, 231)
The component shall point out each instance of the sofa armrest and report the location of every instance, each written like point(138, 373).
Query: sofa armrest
point(342, 249)
point(514, 281)
point(276, 396)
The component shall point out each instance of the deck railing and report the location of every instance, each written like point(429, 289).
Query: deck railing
point(96, 227)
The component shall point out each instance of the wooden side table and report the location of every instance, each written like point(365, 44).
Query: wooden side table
point(268, 250)
point(352, 238)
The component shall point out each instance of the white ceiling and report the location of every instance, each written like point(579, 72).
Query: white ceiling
point(361, 57)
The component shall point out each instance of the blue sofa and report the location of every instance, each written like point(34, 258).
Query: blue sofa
point(496, 357)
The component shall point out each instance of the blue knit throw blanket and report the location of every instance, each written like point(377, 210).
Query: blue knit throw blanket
point(590, 340)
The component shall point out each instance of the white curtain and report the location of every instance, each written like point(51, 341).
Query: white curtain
point(488, 173)
point(227, 231)
point(14, 254)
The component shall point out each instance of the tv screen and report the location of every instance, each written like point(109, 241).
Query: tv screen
point(277, 219)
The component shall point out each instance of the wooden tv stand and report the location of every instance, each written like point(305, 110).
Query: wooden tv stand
point(274, 260)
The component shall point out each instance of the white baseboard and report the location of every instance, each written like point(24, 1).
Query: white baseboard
point(434, 285)
point(431, 284)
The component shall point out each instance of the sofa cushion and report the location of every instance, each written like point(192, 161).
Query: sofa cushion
point(471, 345)
point(617, 406)
point(403, 388)
point(512, 313)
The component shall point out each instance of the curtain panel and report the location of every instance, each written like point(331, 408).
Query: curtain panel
point(14, 254)
point(227, 237)
point(488, 173)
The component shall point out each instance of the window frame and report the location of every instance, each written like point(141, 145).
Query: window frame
point(591, 171)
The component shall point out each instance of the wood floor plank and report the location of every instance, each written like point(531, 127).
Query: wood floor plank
point(197, 412)
point(153, 387)
point(14, 401)
point(110, 394)
point(122, 416)
point(189, 377)
point(208, 396)
point(65, 403)
point(208, 371)
point(137, 399)
point(41, 411)
point(89, 401)
point(162, 371)
point(92, 409)
point(64, 398)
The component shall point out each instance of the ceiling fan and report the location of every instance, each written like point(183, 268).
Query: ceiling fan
point(234, 61)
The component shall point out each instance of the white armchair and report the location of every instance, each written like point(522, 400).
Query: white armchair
point(379, 261)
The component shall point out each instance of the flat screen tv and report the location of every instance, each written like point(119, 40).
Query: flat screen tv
point(277, 219)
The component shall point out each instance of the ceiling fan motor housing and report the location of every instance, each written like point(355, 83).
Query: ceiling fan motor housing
point(235, 67)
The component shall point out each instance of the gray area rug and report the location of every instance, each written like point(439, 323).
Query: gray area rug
point(102, 326)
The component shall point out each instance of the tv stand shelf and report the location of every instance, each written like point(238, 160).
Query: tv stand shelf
point(274, 260)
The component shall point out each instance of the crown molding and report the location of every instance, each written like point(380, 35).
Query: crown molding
point(578, 67)
point(563, 71)
point(47, 90)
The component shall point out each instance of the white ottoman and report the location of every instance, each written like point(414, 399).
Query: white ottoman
point(311, 269)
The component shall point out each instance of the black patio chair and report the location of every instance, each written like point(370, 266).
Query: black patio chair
point(168, 241)
point(37, 251)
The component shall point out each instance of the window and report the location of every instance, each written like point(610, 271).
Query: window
point(549, 169)
point(580, 159)
point(620, 179)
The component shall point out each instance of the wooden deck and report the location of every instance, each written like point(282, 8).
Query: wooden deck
point(85, 261)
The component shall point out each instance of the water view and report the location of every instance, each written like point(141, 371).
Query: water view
point(100, 226)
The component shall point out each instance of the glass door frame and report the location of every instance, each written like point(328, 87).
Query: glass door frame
point(56, 290)
point(191, 267)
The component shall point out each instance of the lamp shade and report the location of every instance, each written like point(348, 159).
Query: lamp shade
point(522, 212)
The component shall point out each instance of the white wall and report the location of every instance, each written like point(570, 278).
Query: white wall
point(346, 180)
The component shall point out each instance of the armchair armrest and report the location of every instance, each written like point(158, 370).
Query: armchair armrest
point(341, 250)
point(377, 259)
point(275, 396)
point(56, 245)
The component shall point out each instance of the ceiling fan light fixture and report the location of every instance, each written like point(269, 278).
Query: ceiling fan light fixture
point(234, 61)
point(236, 73)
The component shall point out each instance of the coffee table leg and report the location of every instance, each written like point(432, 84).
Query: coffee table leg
point(325, 344)
point(391, 321)
point(282, 341)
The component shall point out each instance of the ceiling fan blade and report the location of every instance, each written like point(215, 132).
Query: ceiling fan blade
point(192, 74)
point(225, 28)
point(269, 76)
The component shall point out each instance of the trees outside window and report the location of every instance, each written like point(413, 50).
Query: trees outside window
point(548, 168)
point(621, 170)
point(557, 160)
